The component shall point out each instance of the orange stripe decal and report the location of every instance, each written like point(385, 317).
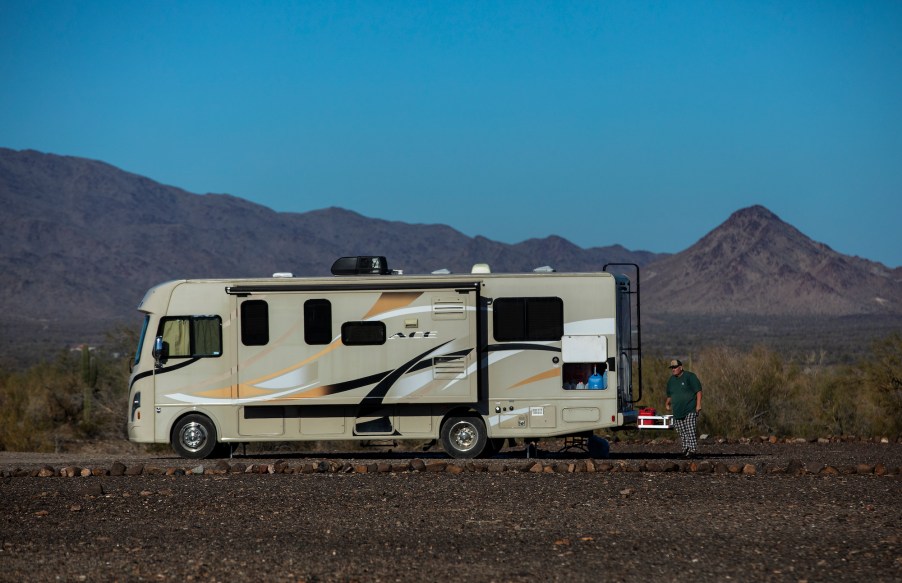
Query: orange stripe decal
point(392, 301)
point(548, 374)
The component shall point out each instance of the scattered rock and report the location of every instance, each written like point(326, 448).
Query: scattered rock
point(95, 489)
point(70, 472)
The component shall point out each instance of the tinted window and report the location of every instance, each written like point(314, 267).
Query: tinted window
point(359, 333)
point(141, 338)
point(254, 323)
point(528, 319)
point(317, 321)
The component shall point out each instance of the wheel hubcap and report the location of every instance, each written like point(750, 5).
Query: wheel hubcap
point(193, 436)
point(463, 435)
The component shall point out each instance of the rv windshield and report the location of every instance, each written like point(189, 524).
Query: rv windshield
point(141, 338)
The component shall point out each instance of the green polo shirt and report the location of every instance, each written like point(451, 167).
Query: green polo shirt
point(682, 390)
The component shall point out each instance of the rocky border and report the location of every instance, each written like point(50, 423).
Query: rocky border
point(222, 467)
point(772, 439)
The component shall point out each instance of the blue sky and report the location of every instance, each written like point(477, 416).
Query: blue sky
point(640, 123)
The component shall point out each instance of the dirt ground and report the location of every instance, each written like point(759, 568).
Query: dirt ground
point(643, 514)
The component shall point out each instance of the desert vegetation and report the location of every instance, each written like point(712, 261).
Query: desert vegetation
point(80, 396)
point(761, 392)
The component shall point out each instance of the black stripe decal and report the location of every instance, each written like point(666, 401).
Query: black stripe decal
point(163, 370)
point(375, 397)
point(354, 384)
point(427, 363)
point(516, 346)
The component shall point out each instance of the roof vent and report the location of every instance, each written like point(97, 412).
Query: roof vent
point(442, 271)
point(283, 274)
point(481, 268)
point(544, 269)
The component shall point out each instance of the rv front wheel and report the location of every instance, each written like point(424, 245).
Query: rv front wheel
point(194, 437)
point(463, 437)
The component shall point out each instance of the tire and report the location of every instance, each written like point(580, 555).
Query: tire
point(463, 437)
point(194, 436)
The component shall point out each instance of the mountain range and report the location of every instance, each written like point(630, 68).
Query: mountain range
point(84, 240)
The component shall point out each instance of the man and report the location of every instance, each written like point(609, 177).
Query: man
point(684, 395)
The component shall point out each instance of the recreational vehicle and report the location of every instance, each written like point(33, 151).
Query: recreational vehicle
point(470, 359)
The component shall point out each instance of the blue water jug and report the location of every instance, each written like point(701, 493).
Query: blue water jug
point(596, 381)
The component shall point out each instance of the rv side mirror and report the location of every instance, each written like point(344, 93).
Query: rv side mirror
point(160, 351)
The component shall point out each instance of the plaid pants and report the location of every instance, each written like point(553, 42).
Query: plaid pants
point(688, 429)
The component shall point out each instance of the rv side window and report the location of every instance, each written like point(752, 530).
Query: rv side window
point(192, 336)
point(362, 333)
point(254, 323)
point(528, 319)
point(317, 321)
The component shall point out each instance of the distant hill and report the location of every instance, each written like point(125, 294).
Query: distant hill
point(84, 240)
point(756, 264)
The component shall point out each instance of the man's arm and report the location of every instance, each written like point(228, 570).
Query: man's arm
point(698, 401)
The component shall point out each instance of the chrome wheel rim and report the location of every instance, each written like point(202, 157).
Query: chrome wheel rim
point(193, 436)
point(463, 435)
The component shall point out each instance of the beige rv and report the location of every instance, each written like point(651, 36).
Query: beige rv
point(469, 359)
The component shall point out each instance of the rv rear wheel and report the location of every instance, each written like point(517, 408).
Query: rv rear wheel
point(463, 437)
point(194, 437)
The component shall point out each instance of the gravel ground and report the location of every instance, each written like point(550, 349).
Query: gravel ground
point(641, 516)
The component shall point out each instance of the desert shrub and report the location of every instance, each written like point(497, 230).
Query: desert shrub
point(79, 395)
point(742, 391)
point(875, 384)
point(761, 392)
point(38, 406)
